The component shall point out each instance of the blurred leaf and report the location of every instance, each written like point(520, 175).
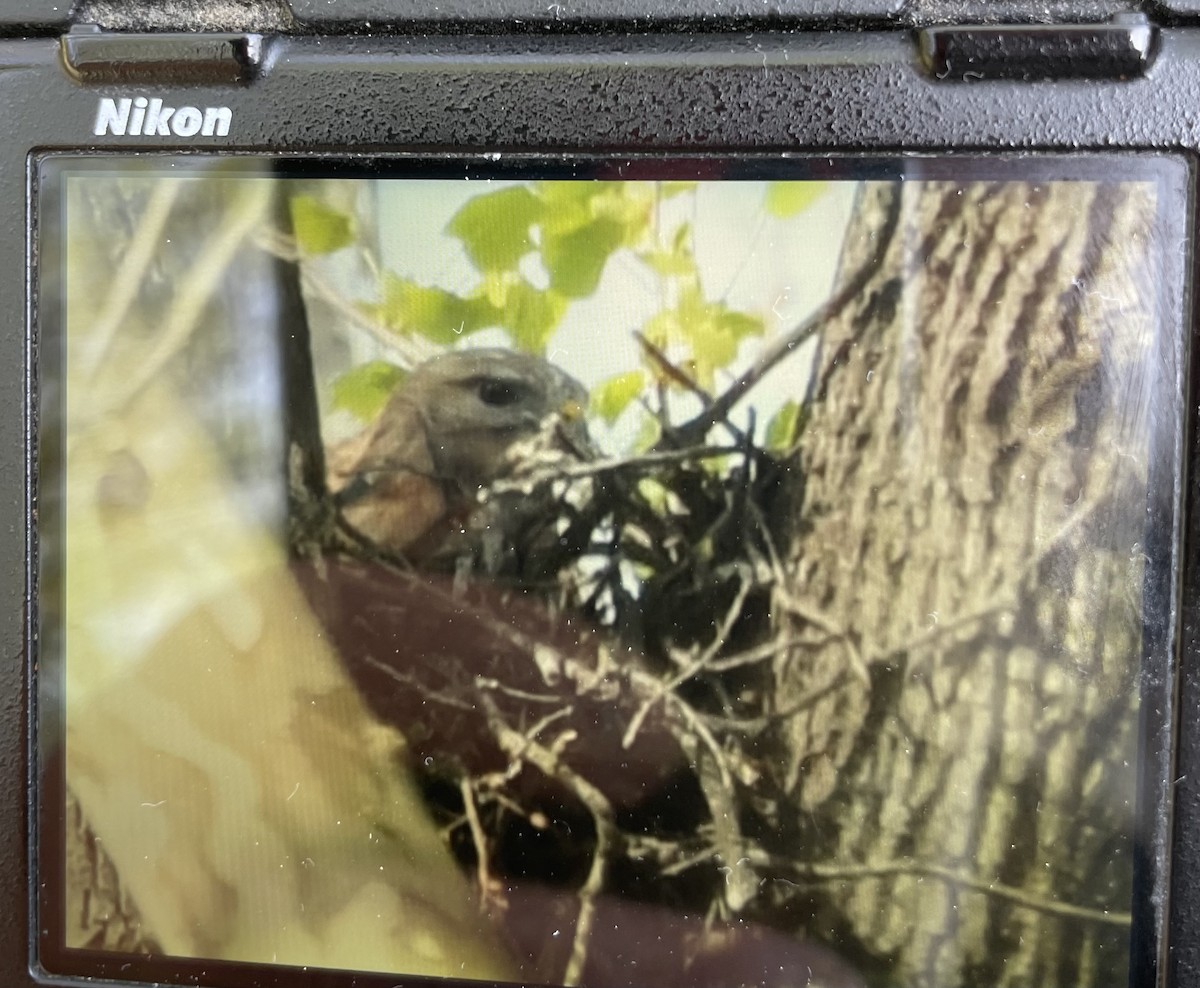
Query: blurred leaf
point(630, 205)
point(662, 328)
point(494, 227)
point(575, 261)
point(531, 315)
point(661, 498)
point(678, 260)
point(495, 287)
point(786, 199)
point(570, 205)
point(785, 427)
point(319, 228)
point(740, 324)
point(567, 205)
point(362, 391)
point(711, 330)
point(672, 189)
point(654, 493)
point(648, 434)
point(715, 342)
point(610, 398)
point(668, 264)
point(438, 315)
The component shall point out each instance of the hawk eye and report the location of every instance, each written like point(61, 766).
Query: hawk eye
point(497, 393)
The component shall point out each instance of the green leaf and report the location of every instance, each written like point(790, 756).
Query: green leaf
point(319, 228)
point(629, 204)
point(362, 391)
point(610, 398)
point(711, 330)
point(494, 227)
point(672, 189)
point(573, 205)
point(786, 199)
point(567, 206)
point(677, 260)
point(531, 315)
point(785, 427)
point(438, 315)
point(662, 328)
point(740, 324)
point(668, 264)
point(712, 347)
point(648, 434)
point(575, 261)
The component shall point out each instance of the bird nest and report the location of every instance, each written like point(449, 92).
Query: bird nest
point(588, 699)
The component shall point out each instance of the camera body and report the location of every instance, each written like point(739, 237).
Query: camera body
point(514, 91)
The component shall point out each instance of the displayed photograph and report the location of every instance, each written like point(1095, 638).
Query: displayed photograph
point(626, 573)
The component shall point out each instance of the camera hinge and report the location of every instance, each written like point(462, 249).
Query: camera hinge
point(1123, 48)
point(95, 56)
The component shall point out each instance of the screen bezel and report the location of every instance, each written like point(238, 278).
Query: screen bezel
point(1160, 672)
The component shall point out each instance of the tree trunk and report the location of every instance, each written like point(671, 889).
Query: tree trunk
point(967, 585)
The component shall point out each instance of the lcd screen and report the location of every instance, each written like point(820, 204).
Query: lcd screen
point(698, 572)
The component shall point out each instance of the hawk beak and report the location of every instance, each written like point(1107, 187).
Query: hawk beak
point(572, 431)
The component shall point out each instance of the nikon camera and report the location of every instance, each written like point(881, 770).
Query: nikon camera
point(618, 495)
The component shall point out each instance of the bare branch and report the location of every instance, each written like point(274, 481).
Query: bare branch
point(781, 346)
point(674, 682)
point(519, 747)
point(241, 217)
point(576, 471)
point(834, 872)
point(675, 373)
point(479, 838)
point(131, 273)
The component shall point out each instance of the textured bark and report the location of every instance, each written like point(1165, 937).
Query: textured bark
point(100, 914)
point(960, 710)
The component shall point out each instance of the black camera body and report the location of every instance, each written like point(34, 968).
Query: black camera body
point(979, 99)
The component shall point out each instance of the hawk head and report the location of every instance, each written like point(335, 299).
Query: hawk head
point(477, 405)
point(457, 423)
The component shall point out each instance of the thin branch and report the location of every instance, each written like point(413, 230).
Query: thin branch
point(486, 683)
point(408, 352)
point(576, 471)
point(781, 346)
point(756, 654)
point(813, 616)
point(405, 351)
point(669, 685)
point(532, 733)
point(924, 869)
point(519, 747)
point(243, 214)
point(676, 374)
point(705, 735)
point(741, 881)
point(131, 273)
point(478, 837)
point(406, 679)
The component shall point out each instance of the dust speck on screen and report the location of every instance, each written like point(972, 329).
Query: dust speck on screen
point(744, 575)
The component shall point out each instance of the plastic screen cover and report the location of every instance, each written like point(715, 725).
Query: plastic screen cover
point(699, 572)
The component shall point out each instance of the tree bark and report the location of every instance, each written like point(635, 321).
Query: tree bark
point(960, 710)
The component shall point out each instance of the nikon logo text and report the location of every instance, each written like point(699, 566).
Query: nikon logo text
point(142, 117)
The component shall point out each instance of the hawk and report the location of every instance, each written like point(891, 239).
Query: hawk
point(415, 483)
